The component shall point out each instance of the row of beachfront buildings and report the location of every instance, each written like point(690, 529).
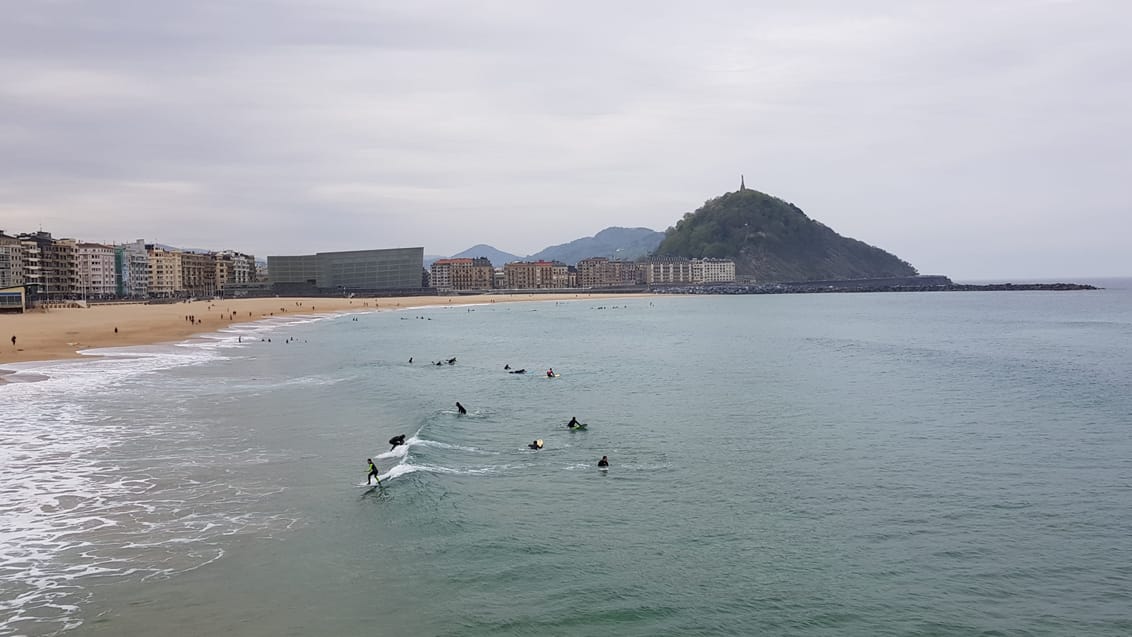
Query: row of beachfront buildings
point(595, 272)
point(53, 269)
point(47, 269)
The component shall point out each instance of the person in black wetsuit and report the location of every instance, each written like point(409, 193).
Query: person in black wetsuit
point(396, 440)
point(535, 445)
point(460, 408)
point(604, 462)
point(573, 422)
point(372, 471)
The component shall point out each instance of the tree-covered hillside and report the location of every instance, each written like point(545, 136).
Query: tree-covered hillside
point(773, 240)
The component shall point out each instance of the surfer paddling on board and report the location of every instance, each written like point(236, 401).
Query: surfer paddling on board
point(550, 373)
point(372, 471)
point(396, 440)
point(573, 422)
point(536, 445)
point(604, 462)
point(460, 408)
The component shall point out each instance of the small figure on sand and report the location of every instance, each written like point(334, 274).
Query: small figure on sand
point(372, 471)
point(460, 408)
point(13, 340)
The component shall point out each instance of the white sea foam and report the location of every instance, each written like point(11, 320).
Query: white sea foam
point(70, 511)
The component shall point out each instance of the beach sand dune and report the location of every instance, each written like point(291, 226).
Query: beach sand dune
point(62, 333)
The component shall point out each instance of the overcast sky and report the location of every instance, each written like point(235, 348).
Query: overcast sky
point(977, 139)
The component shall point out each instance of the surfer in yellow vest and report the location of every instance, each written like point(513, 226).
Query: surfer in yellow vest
point(372, 471)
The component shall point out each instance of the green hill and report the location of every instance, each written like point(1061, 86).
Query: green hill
point(772, 240)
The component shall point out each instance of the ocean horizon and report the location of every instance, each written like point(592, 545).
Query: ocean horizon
point(830, 464)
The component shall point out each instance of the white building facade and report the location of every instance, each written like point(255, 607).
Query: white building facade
point(96, 271)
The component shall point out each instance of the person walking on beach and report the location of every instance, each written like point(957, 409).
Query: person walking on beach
point(13, 340)
point(372, 471)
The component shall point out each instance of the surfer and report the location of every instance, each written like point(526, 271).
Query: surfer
point(550, 373)
point(452, 361)
point(372, 471)
point(507, 366)
point(536, 445)
point(460, 408)
point(518, 371)
point(396, 440)
point(573, 422)
point(604, 462)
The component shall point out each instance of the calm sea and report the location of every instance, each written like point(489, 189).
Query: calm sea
point(840, 464)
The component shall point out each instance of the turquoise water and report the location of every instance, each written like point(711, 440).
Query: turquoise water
point(886, 464)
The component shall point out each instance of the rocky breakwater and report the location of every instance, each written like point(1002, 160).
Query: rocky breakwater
point(927, 283)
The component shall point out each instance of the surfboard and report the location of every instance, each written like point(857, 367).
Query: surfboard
point(580, 427)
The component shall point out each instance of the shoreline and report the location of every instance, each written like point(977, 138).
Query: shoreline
point(61, 334)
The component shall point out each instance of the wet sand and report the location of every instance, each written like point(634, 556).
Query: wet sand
point(62, 333)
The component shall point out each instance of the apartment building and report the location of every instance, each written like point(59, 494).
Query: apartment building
point(717, 270)
point(533, 275)
point(234, 268)
point(50, 266)
point(198, 274)
point(164, 271)
point(11, 261)
point(462, 274)
point(131, 270)
point(663, 270)
point(597, 272)
point(666, 270)
point(96, 270)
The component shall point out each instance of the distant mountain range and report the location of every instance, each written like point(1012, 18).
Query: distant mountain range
point(614, 243)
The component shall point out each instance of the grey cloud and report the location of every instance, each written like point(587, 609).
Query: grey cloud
point(935, 130)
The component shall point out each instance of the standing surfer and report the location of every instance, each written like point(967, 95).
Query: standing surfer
point(372, 471)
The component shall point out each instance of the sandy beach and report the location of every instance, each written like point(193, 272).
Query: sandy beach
point(62, 333)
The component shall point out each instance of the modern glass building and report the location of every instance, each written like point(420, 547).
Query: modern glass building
point(396, 269)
